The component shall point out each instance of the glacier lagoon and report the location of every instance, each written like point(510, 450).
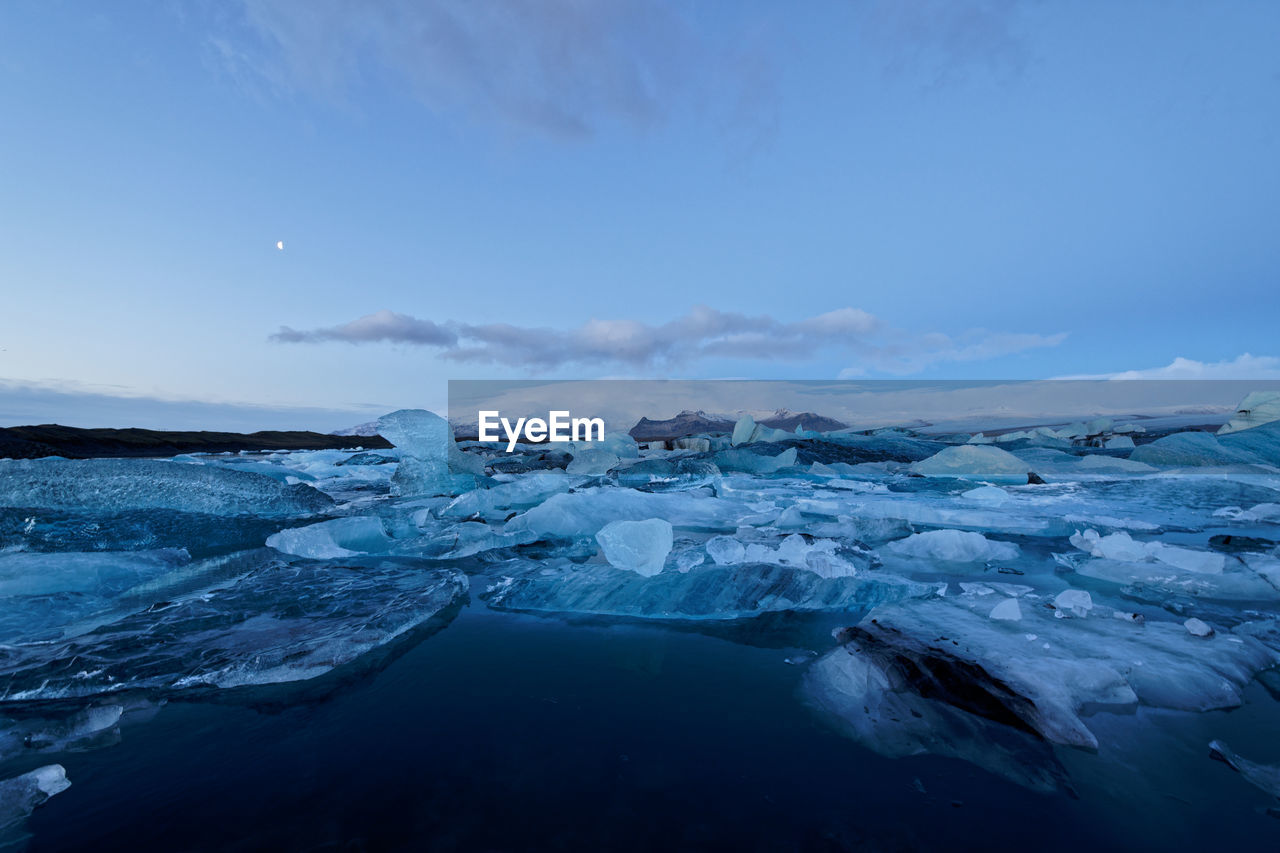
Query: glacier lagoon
point(765, 638)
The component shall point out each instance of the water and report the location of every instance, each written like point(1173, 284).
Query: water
point(514, 732)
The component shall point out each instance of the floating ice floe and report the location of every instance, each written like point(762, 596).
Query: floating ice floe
point(905, 659)
point(638, 546)
point(113, 485)
point(974, 462)
point(824, 557)
point(707, 592)
point(1263, 776)
point(20, 795)
point(431, 462)
point(1123, 547)
point(496, 503)
point(953, 546)
point(339, 537)
point(582, 513)
point(269, 622)
point(1256, 409)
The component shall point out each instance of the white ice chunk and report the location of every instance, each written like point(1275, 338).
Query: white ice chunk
point(581, 513)
point(527, 490)
point(1007, 611)
point(1197, 627)
point(328, 540)
point(1257, 408)
point(974, 462)
point(19, 795)
point(742, 430)
point(1122, 547)
point(725, 550)
point(991, 495)
point(1074, 602)
point(955, 546)
point(754, 463)
point(428, 436)
point(638, 546)
point(591, 461)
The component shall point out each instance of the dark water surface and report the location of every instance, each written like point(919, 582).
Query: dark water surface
point(512, 733)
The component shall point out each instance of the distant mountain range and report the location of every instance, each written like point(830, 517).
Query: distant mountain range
point(695, 423)
point(789, 420)
point(369, 428)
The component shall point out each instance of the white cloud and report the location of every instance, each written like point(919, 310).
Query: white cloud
point(1245, 366)
point(700, 334)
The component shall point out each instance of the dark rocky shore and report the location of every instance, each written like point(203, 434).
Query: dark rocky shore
point(32, 442)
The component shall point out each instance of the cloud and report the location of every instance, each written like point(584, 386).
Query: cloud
point(562, 67)
point(946, 40)
point(379, 326)
point(700, 334)
point(1245, 366)
point(80, 404)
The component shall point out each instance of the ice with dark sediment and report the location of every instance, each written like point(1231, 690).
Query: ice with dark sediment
point(1041, 673)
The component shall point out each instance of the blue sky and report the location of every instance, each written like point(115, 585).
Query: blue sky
point(915, 188)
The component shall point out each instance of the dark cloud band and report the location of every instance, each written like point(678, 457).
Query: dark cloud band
point(702, 333)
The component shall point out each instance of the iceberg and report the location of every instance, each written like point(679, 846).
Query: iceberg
point(523, 492)
point(1262, 441)
point(44, 597)
point(638, 546)
point(1038, 674)
point(704, 593)
point(1006, 611)
point(974, 462)
point(340, 537)
point(726, 550)
point(51, 731)
point(991, 495)
point(747, 431)
point(667, 474)
point(1263, 776)
point(1256, 409)
point(750, 462)
point(269, 622)
point(20, 795)
point(875, 703)
point(115, 485)
point(1196, 449)
point(953, 546)
point(824, 557)
point(1122, 547)
point(431, 462)
point(582, 513)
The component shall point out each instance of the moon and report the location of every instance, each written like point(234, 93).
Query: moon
point(280, 245)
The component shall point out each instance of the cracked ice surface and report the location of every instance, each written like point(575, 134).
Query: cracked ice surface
point(273, 622)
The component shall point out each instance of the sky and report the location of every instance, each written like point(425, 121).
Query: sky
point(493, 189)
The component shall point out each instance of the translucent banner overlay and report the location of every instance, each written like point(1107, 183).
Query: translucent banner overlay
point(664, 410)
